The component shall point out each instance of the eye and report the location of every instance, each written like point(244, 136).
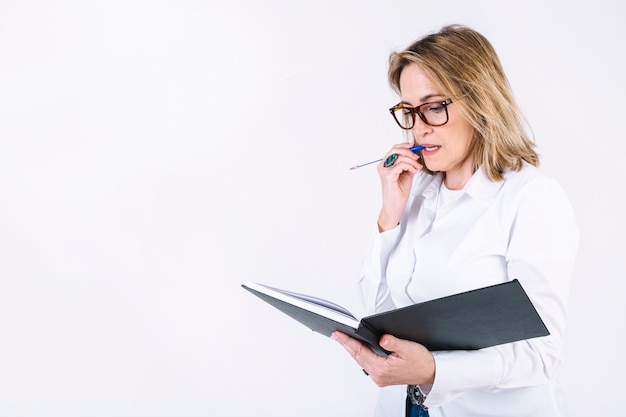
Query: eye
point(433, 108)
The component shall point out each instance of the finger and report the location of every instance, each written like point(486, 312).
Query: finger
point(349, 343)
point(399, 347)
point(401, 161)
point(404, 155)
point(405, 149)
point(359, 352)
point(409, 362)
point(390, 160)
point(391, 343)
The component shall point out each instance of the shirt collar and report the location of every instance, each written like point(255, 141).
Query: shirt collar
point(431, 190)
point(479, 186)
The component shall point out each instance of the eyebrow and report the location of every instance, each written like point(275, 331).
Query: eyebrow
point(424, 99)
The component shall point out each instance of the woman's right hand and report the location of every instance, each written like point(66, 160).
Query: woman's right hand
point(396, 183)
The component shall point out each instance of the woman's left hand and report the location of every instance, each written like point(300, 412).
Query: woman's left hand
point(408, 363)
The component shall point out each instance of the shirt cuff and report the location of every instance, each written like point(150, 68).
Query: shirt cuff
point(460, 371)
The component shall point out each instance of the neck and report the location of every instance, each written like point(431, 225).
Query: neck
point(456, 181)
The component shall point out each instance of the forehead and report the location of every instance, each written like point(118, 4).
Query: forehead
point(416, 87)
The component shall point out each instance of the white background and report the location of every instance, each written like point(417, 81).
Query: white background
point(154, 155)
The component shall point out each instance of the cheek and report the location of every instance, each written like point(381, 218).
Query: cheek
point(463, 139)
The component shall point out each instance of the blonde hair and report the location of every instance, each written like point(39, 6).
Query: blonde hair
point(467, 68)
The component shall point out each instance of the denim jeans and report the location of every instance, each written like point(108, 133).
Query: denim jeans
point(413, 410)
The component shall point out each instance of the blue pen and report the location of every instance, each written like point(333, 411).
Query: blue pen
point(390, 159)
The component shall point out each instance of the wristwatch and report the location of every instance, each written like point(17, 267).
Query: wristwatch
point(416, 395)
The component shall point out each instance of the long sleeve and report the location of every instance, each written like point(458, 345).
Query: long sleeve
point(493, 232)
point(372, 280)
point(540, 254)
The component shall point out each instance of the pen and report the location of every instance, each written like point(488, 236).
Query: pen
point(390, 159)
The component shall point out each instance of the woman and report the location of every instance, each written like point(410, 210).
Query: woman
point(470, 210)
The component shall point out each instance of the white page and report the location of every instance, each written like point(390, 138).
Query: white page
point(310, 303)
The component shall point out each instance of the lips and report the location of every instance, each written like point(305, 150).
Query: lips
point(430, 148)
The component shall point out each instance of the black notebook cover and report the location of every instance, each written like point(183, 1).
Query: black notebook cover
point(470, 320)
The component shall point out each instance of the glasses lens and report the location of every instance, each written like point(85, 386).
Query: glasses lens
point(404, 117)
point(434, 113)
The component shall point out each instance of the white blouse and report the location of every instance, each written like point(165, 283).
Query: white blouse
point(520, 228)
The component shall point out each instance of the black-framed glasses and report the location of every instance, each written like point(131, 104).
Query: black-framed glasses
point(433, 114)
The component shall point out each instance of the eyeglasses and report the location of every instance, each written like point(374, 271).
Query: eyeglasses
point(433, 114)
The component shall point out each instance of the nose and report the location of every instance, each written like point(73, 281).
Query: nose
point(420, 128)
